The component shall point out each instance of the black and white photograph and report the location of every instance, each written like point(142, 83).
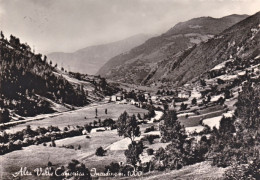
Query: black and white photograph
point(130, 89)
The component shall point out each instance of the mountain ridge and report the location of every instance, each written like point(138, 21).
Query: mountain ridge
point(140, 62)
point(88, 60)
point(240, 41)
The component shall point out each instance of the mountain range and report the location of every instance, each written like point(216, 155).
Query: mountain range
point(90, 59)
point(183, 52)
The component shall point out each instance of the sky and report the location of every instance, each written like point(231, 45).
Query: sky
point(69, 25)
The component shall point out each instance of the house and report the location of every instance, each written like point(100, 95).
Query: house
point(146, 96)
point(195, 94)
point(124, 101)
point(113, 98)
point(107, 98)
point(154, 98)
point(132, 102)
point(119, 98)
point(184, 94)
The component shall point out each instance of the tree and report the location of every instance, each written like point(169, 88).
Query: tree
point(165, 106)
point(95, 123)
point(103, 83)
point(100, 151)
point(220, 81)
point(183, 106)
point(99, 122)
point(127, 126)
point(227, 94)
point(170, 128)
point(221, 101)
point(45, 58)
point(203, 82)
point(96, 112)
point(139, 116)
point(2, 35)
point(4, 116)
point(194, 101)
point(151, 112)
point(109, 123)
point(76, 166)
point(208, 98)
point(133, 152)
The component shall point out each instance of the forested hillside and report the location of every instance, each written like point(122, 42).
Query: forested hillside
point(29, 82)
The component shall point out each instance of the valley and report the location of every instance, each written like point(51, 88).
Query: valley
point(182, 105)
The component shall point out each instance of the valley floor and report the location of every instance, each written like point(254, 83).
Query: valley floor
point(38, 155)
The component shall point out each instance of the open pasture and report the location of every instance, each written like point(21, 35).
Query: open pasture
point(81, 116)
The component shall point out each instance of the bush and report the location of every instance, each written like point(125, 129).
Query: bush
point(112, 168)
point(150, 151)
point(100, 151)
point(244, 171)
point(150, 138)
point(53, 144)
point(149, 129)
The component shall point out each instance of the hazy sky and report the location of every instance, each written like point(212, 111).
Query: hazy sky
point(68, 25)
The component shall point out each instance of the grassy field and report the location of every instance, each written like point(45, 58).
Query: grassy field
point(205, 113)
point(38, 156)
point(199, 171)
point(81, 116)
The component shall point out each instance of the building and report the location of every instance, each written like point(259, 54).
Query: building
point(184, 94)
point(107, 98)
point(113, 98)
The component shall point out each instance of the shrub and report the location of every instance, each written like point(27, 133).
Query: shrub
point(114, 167)
point(100, 151)
point(49, 164)
point(150, 139)
point(150, 151)
point(149, 129)
point(244, 171)
point(53, 144)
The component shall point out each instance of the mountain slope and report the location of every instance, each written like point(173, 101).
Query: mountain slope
point(29, 85)
point(90, 59)
point(240, 42)
point(141, 62)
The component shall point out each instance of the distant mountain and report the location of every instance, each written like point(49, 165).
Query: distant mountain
point(29, 85)
point(90, 59)
point(142, 64)
point(240, 42)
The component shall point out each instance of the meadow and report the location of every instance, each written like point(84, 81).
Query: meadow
point(82, 116)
